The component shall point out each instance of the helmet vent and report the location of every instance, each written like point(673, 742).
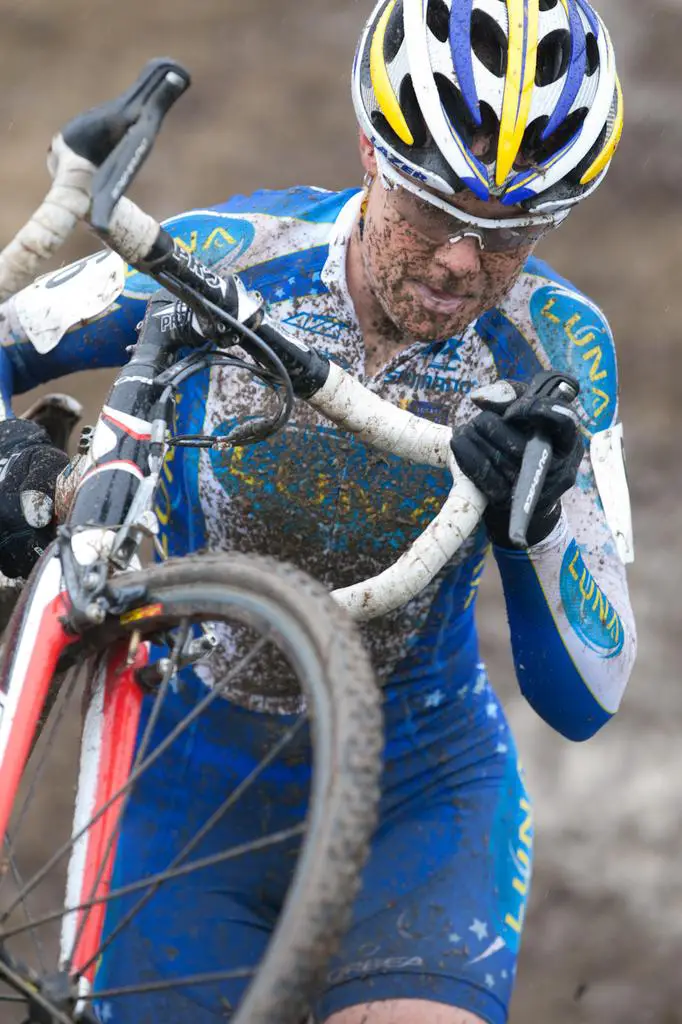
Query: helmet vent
point(438, 20)
point(414, 119)
point(591, 54)
point(554, 54)
point(413, 115)
point(489, 43)
point(395, 33)
point(384, 130)
point(484, 143)
point(456, 109)
point(548, 5)
point(535, 150)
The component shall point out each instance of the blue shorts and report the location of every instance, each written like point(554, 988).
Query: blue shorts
point(441, 908)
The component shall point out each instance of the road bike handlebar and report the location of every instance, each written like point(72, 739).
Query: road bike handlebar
point(353, 407)
point(92, 161)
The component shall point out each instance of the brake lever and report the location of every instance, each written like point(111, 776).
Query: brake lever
point(118, 136)
point(537, 456)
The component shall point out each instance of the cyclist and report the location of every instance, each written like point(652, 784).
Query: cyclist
point(481, 126)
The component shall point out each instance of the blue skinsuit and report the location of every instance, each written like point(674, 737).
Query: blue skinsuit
point(442, 905)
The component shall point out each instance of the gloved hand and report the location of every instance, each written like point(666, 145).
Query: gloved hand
point(489, 450)
point(29, 467)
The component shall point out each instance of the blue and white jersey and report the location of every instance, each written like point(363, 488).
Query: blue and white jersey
point(318, 497)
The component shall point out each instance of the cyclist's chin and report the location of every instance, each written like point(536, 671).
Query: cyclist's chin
point(428, 323)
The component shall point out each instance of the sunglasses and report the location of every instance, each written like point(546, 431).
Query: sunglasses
point(439, 223)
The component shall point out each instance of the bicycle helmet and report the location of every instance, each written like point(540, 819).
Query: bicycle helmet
point(513, 99)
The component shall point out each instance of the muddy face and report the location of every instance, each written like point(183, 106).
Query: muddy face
point(421, 283)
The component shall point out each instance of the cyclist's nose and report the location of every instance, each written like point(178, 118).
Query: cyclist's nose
point(462, 258)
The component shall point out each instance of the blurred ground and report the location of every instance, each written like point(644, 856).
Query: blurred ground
point(270, 107)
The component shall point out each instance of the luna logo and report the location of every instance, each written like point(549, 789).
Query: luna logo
point(521, 858)
point(577, 338)
point(210, 236)
point(588, 610)
point(511, 841)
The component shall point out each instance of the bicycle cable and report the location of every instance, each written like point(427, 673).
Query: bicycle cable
point(183, 290)
point(259, 428)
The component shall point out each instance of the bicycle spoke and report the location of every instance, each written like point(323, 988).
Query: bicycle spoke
point(160, 986)
point(177, 869)
point(170, 670)
point(31, 994)
point(229, 802)
point(40, 767)
point(165, 876)
point(191, 716)
point(32, 923)
point(64, 697)
point(237, 593)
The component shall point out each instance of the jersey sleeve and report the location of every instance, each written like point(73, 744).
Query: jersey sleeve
point(84, 316)
point(75, 318)
point(571, 622)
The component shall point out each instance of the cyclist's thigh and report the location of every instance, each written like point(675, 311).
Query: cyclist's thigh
point(440, 912)
point(219, 918)
point(197, 929)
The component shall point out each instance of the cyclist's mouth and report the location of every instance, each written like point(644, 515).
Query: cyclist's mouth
point(441, 302)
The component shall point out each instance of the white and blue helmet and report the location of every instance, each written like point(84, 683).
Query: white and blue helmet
point(513, 99)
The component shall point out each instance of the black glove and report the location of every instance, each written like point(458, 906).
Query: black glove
point(29, 467)
point(489, 450)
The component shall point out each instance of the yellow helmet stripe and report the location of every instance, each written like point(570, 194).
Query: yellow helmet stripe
point(564, 4)
point(518, 87)
point(611, 143)
point(381, 83)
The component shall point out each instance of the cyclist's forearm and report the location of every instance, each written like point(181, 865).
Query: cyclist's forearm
point(85, 343)
point(572, 632)
point(84, 316)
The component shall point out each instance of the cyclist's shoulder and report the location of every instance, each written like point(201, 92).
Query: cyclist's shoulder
point(546, 321)
point(547, 299)
point(541, 297)
point(247, 229)
point(308, 204)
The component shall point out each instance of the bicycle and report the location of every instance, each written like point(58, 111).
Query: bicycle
point(132, 631)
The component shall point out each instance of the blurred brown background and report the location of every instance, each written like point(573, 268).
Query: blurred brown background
point(270, 106)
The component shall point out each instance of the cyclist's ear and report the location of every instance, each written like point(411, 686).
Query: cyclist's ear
point(367, 155)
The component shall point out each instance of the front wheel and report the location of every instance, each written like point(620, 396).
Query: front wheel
point(204, 618)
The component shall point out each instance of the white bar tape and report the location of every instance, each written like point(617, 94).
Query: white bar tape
point(66, 203)
point(131, 230)
point(349, 404)
point(417, 566)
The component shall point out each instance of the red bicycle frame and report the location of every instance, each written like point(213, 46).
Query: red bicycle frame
point(109, 735)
